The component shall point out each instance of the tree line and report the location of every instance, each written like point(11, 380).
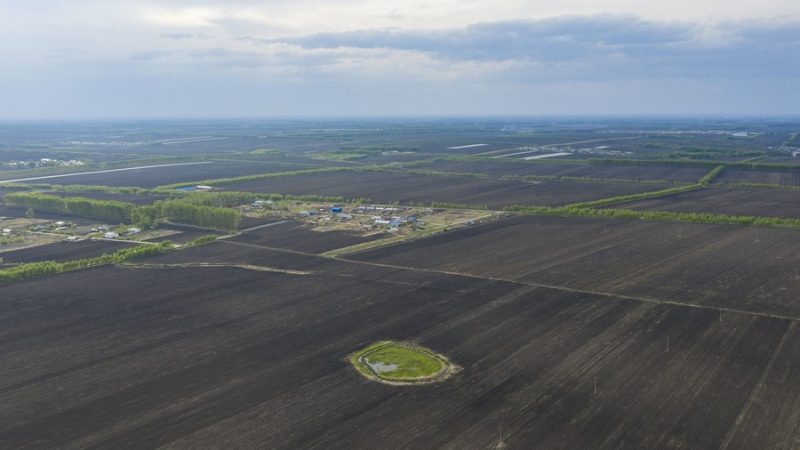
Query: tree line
point(111, 210)
point(184, 212)
point(175, 210)
point(634, 197)
point(41, 268)
point(709, 218)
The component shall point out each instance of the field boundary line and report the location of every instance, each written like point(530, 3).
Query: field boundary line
point(530, 283)
point(252, 267)
point(584, 291)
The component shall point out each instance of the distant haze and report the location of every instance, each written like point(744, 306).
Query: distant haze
point(240, 58)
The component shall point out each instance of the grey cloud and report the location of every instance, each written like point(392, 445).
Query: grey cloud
point(595, 46)
point(180, 36)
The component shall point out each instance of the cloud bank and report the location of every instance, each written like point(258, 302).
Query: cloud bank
point(240, 58)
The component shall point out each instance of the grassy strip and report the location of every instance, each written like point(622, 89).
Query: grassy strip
point(23, 186)
point(153, 160)
point(709, 218)
point(701, 183)
point(367, 246)
point(258, 177)
point(77, 188)
point(787, 187)
point(592, 179)
point(710, 176)
point(634, 197)
point(744, 165)
point(36, 269)
point(522, 177)
point(236, 198)
point(202, 240)
point(537, 178)
point(265, 176)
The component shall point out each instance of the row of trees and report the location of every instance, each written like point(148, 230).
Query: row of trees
point(227, 199)
point(658, 215)
point(590, 179)
point(710, 176)
point(181, 211)
point(77, 188)
point(36, 269)
point(176, 210)
point(639, 162)
point(259, 177)
point(110, 210)
point(634, 197)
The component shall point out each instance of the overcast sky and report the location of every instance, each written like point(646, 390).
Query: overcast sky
point(240, 58)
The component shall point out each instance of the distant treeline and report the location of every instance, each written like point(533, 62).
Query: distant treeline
point(263, 176)
point(77, 188)
point(154, 160)
point(710, 176)
point(406, 168)
point(788, 187)
point(177, 210)
point(36, 269)
point(634, 197)
point(658, 215)
point(228, 199)
point(744, 165)
point(291, 173)
point(111, 210)
point(181, 211)
point(701, 183)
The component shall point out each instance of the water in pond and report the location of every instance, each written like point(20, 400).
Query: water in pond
point(380, 367)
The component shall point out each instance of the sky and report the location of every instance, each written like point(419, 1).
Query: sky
point(240, 58)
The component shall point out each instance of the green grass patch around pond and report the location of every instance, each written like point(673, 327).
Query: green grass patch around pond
point(401, 363)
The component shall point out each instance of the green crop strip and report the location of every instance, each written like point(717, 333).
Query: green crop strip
point(36, 269)
point(701, 183)
point(635, 197)
point(709, 218)
point(43, 268)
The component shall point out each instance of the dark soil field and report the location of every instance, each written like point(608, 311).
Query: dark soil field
point(293, 235)
point(498, 168)
point(742, 268)
point(734, 201)
point(230, 358)
point(158, 176)
point(62, 251)
point(759, 176)
point(396, 186)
